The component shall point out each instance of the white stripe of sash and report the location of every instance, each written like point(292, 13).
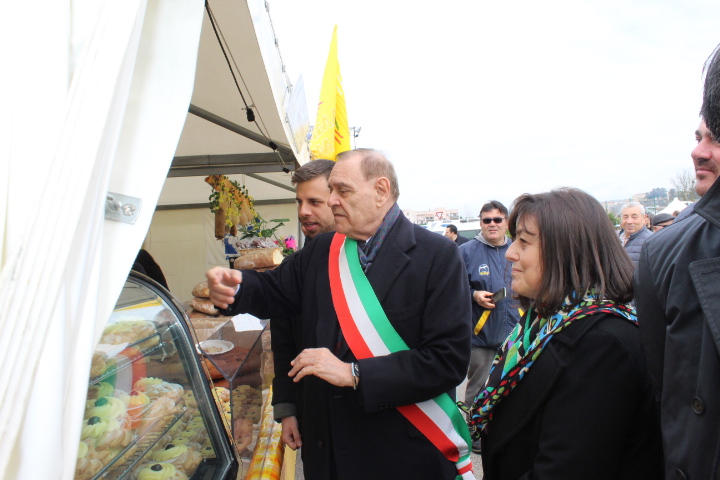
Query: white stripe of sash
point(357, 310)
point(440, 418)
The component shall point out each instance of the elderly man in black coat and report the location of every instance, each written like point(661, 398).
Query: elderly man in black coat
point(349, 423)
point(678, 302)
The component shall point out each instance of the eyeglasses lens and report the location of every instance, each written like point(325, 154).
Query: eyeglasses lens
point(497, 220)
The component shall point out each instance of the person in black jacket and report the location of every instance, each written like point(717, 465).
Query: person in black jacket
point(451, 232)
point(569, 396)
point(315, 216)
point(350, 406)
point(678, 302)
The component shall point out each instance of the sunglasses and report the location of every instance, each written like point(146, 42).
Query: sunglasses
point(498, 220)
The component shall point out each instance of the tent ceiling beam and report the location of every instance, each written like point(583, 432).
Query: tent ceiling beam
point(284, 150)
point(228, 164)
point(191, 206)
point(271, 182)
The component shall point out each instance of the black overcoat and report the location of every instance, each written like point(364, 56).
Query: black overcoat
point(677, 289)
point(422, 285)
point(584, 411)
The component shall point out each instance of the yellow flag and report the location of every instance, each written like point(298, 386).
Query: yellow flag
point(331, 134)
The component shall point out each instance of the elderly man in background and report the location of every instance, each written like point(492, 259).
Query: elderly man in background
point(661, 220)
point(634, 233)
point(383, 334)
point(678, 301)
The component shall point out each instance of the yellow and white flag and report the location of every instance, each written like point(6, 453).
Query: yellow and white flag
point(331, 134)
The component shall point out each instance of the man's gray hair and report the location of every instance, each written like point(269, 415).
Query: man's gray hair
point(374, 165)
point(631, 205)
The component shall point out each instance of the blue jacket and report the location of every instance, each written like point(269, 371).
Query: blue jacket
point(488, 270)
point(635, 243)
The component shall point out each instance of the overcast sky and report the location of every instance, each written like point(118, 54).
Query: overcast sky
point(477, 100)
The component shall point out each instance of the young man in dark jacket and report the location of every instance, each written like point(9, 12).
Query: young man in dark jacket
point(678, 303)
point(489, 272)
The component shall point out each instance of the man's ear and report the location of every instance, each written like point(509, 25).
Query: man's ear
point(382, 190)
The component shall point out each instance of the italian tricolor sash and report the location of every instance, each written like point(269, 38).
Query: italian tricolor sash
point(369, 333)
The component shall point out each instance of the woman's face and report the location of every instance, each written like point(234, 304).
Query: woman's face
point(524, 253)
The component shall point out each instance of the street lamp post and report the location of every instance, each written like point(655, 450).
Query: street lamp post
point(355, 131)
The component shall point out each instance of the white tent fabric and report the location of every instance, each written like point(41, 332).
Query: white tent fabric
point(98, 97)
point(674, 206)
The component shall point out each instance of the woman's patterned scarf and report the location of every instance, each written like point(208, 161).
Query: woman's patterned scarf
point(524, 345)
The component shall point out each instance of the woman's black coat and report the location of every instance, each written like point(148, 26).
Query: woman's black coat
point(584, 411)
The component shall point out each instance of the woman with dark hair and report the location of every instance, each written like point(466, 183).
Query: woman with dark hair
point(569, 396)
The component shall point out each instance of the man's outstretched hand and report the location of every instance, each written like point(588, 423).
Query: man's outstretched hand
point(223, 284)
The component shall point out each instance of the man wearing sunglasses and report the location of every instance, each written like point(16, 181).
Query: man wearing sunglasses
point(488, 272)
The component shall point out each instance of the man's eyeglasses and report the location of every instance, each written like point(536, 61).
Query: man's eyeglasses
point(498, 220)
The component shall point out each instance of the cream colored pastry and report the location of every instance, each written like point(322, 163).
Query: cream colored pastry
point(179, 455)
point(141, 384)
point(127, 331)
point(156, 413)
point(107, 407)
point(98, 365)
point(87, 465)
point(207, 451)
point(137, 405)
point(190, 400)
point(193, 435)
point(187, 442)
point(102, 389)
point(92, 429)
point(173, 391)
point(117, 435)
point(160, 471)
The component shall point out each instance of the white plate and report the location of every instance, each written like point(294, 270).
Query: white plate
point(210, 347)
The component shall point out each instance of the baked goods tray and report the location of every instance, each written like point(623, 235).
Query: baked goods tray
point(122, 465)
point(128, 360)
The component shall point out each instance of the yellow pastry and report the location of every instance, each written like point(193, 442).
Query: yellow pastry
point(137, 404)
point(160, 471)
point(92, 429)
point(181, 456)
point(142, 384)
point(107, 407)
point(207, 451)
point(102, 389)
point(87, 465)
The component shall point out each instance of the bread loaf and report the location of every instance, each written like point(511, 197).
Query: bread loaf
point(204, 305)
point(201, 290)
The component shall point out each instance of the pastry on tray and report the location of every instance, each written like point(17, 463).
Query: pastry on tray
point(160, 471)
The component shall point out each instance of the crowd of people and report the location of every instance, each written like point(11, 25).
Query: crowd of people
point(589, 354)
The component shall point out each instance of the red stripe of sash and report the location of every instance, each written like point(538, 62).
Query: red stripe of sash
point(430, 429)
point(350, 331)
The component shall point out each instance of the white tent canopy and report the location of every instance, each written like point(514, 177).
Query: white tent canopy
point(674, 206)
point(114, 82)
point(217, 137)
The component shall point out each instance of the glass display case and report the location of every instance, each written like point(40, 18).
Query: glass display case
point(236, 353)
point(150, 413)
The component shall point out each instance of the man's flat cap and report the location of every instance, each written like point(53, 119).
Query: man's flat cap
point(661, 218)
